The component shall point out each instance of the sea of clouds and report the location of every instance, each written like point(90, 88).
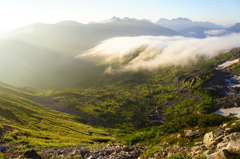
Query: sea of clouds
point(151, 52)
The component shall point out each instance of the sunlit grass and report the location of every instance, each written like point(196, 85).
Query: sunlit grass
point(124, 103)
point(34, 125)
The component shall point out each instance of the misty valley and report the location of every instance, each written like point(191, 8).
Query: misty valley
point(122, 89)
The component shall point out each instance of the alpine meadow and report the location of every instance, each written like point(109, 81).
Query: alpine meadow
point(147, 83)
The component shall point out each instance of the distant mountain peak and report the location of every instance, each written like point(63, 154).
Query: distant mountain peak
point(175, 19)
point(180, 23)
point(237, 24)
point(114, 18)
point(69, 22)
point(118, 19)
point(235, 28)
point(183, 19)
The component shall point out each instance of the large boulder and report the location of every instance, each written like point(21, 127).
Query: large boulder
point(193, 134)
point(32, 154)
point(217, 155)
point(211, 139)
point(234, 147)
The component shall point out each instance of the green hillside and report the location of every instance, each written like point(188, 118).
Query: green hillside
point(39, 50)
point(27, 124)
point(150, 105)
point(137, 100)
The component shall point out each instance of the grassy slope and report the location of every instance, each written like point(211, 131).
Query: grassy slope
point(167, 134)
point(35, 125)
point(173, 132)
point(126, 101)
point(137, 100)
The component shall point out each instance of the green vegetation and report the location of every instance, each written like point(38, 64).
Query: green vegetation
point(154, 135)
point(142, 99)
point(235, 68)
point(153, 107)
point(180, 156)
point(168, 134)
point(29, 124)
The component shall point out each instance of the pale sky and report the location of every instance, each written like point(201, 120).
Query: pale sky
point(16, 13)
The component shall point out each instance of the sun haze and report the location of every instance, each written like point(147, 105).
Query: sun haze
point(19, 13)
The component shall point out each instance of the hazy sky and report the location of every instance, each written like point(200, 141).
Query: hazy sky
point(15, 13)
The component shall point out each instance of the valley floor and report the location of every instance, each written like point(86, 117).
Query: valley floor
point(169, 111)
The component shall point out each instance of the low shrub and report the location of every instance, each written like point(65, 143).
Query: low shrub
point(180, 156)
point(174, 126)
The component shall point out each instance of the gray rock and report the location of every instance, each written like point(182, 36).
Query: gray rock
point(94, 156)
point(193, 134)
point(218, 132)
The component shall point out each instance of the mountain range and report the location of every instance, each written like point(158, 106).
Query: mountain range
point(122, 88)
point(184, 23)
point(30, 54)
point(24, 51)
point(235, 28)
point(187, 27)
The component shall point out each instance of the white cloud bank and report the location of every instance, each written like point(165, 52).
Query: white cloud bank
point(215, 32)
point(151, 52)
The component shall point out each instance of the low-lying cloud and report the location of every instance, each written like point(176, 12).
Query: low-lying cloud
point(215, 32)
point(151, 52)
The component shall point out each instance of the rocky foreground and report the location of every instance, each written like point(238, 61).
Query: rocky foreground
point(110, 151)
point(223, 143)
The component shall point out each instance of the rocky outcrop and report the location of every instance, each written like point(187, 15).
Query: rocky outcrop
point(234, 147)
point(218, 144)
point(211, 139)
point(224, 143)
